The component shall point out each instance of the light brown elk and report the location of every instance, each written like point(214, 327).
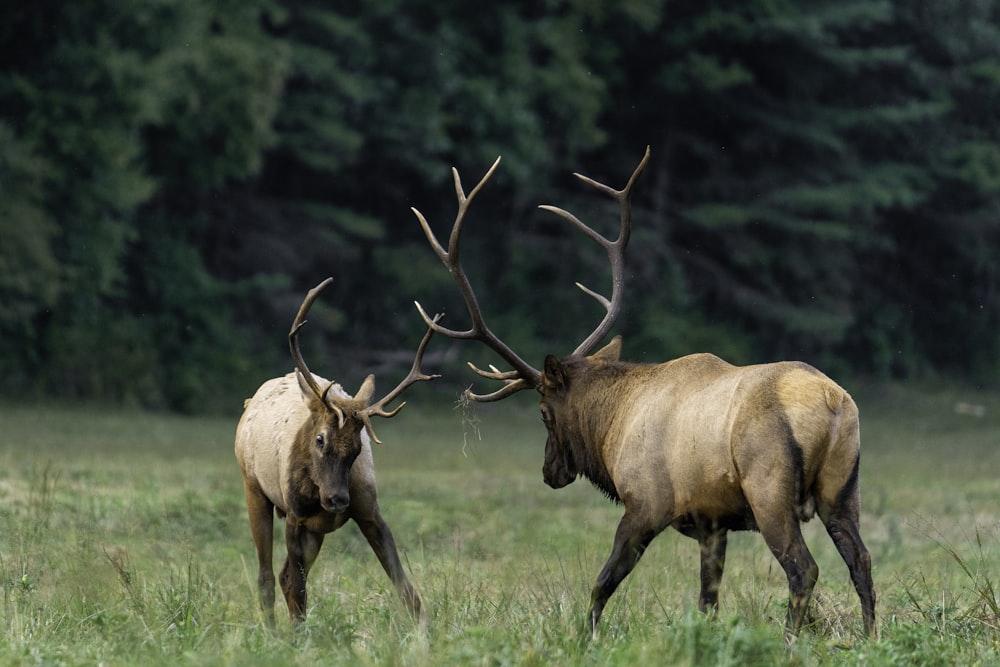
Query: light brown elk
point(694, 443)
point(303, 445)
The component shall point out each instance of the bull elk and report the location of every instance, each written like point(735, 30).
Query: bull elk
point(694, 443)
point(303, 445)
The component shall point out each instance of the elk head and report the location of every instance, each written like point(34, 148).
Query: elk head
point(333, 430)
point(565, 454)
point(562, 453)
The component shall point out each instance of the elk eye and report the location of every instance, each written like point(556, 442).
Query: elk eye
point(319, 440)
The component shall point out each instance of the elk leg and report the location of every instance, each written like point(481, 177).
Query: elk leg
point(631, 539)
point(784, 537)
point(713, 559)
point(303, 546)
point(379, 536)
point(261, 512)
point(842, 527)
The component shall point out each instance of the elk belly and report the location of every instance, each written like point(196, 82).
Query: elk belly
point(705, 481)
point(712, 494)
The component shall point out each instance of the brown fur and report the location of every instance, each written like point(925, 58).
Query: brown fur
point(694, 443)
point(316, 489)
point(708, 447)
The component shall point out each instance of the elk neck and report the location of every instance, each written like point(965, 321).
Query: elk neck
point(594, 406)
point(303, 490)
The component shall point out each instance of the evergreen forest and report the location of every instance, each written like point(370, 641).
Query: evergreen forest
point(824, 185)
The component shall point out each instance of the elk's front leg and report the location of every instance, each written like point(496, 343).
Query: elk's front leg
point(303, 546)
point(261, 513)
point(713, 560)
point(377, 532)
point(631, 539)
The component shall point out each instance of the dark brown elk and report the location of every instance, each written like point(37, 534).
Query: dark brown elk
point(303, 445)
point(694, 443)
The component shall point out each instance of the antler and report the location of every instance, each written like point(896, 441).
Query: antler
point(615, 250)
point(376, 409)
point(415, 375)
point(524, 376)
point(300, 363)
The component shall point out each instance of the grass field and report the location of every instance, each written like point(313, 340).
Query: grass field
point(124, 541)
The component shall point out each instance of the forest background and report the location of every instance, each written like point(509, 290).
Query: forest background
point(175, 174)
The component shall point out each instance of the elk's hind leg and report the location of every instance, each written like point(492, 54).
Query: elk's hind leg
point(712, 545)
point(778, 522)
point(261, 513)
point(842, 523)
point(790, 549)
point(303, 547)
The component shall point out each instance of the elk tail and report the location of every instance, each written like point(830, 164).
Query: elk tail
point(834, 398)
point(835, 402)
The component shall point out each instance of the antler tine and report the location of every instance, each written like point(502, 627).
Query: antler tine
point(300, 362)
point(615, 250)
point(510, 387)
point(415, 375)
point(513, 383)
point(494, 373)
point(452, 261)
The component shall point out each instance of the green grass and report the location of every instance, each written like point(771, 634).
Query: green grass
point(124, 541)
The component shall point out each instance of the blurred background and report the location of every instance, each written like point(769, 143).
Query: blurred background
point(175, 174)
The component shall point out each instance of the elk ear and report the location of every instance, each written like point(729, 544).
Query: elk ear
point(367, 390)
point(317, 402)
point(554, 378)
point(610, 352)
point(307, 392)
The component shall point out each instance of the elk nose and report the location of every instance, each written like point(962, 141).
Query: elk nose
point(336, 502)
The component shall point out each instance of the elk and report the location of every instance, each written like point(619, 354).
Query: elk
point(303, 445)
point(695, 443)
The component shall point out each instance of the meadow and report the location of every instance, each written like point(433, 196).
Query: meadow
point(124, 541)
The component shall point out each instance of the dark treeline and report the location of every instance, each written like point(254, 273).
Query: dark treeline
point(175, 174)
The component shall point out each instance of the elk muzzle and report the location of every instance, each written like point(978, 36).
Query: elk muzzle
point(334, 487)
point(335, 502)
point(557, 470)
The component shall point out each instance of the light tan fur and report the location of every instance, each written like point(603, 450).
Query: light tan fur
point(273, 440)
point(264, 439)
point(304, 447)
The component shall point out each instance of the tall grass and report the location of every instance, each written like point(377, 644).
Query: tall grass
point(124, 540)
